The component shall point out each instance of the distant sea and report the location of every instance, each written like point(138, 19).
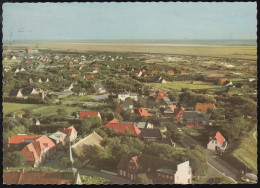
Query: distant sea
point(228, 42)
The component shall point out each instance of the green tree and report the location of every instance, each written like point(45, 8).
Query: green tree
point(15, 158)
point(28, 113)
point(142, 179)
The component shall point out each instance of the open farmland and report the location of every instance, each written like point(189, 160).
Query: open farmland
point(178, 85)
point(236, 52)
point(13, 107)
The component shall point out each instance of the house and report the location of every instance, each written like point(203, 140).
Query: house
point(217, 142)
point(159, 170)
point(183, 72)
point(222, 80)
point(36, 122)
point(29, 91)
point(13, 58)
point(38, 151)
point(22, 70)
point(154, 72)
point(144, 125)
point(160, 95)
point(70, 132)
point(16, 71)
point(142, 112)
point(203, 107)
point(19, 141)
point(161, 80)
point(251, 79)
point(40, 178)
point(170, 72)
point(193, 119)
point(29, 51)
point(121, 128)
point(91, 140)
point(177, 112)
point(139, 73)
point(58, 138)
point(127, 104)
point(63, 94)
point(86, 114)
point(75, 75)
point(101, 97)
point(15, 93)
point(123, 96)
point(99, 88)
point(88, 77)
point(154, 135)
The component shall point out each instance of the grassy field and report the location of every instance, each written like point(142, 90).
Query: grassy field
point(10, 62)
point(237, 52)
point(13, 107)
point(185, 84)
point(247, 151)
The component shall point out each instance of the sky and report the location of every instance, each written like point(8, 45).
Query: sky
point(151, 20)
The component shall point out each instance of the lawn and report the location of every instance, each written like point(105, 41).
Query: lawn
point(13, 107)
point(10, 62)
point(47, 110)
point(93, 180)
point(178, 85)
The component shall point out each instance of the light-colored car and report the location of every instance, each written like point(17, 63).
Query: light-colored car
point(249, 178)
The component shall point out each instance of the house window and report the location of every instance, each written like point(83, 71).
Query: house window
point(189, 120)
point(159, 174)
point(212, 141)
point(188, 180)
point(216, 142)
point(171, 177)
point(121, 173)
point(167, 176)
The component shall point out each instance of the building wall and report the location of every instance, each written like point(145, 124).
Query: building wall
point(212, 145)
point(183, 174)
point(164, 178)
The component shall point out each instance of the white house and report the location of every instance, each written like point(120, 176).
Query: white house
point(183, 174)
point(139, 73)
point(40, 80)
point(22, 69)
point(13, 57)
point(217, 142)
point(17, 70)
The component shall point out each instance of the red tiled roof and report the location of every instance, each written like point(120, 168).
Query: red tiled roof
point(68, 130)
point(33, 150)
point(183, 72)
point(18, 139)
point(89, 77)
point(219, 138)
point(178, 111)
point(120, 128)
point(154, 72)
point(203, 107)
point(222, 80)
point(142, 112)
point(86, 114)
point(34, 178)
point(135, 159)
point(170, 72)
point(161, 95)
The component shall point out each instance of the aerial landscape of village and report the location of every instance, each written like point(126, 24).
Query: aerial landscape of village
point(97, 104)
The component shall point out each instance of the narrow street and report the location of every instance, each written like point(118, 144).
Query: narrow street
point(215, 161)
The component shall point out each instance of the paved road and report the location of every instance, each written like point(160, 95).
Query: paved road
point(215, 161)
point(89, 172)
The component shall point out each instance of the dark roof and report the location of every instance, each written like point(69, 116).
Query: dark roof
point(27, 90)
point(13, 92)
point(126, 104)
point(151, 133)
point(166, 141)
point(190, 115)
point(202, 118)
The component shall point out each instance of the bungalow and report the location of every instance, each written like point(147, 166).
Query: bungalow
point(222, 80)
point(142, 112)
point(183, 72)
point(19, 141)
point(15, 93)
point(144, 125)
point(121, 128)
point(86, 114)
point(91, 140)
point(159, 170)
point(41, 178)
point(160, 95)
point(88, 77)
point(171, 72)
point(217, 142)
point(154, 135)
point(70, 132)
point(38, 151)
point(154, 72)
point(203, 107)
point(58, 138)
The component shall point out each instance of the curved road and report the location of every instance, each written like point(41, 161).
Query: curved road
point(215, 161)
